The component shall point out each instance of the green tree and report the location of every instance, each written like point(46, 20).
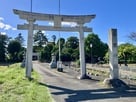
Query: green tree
point(127, 53)
point(75, 54)
point(72, 48)
point(70, 54)
point(40, 39)
point(46, 53)
point(132, 36)
point(66, 54)
point(20, 39)
point(55, 49)
point(3, 43)
point(62, 42)
point(98, 48)
point(53, 38)
point(14, 48)
point(72, 42)
point(106, 57)
point(69, 50)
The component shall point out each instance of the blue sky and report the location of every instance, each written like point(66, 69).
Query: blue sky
point(118, 14)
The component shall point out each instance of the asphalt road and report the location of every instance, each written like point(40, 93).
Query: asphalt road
point(65, 87)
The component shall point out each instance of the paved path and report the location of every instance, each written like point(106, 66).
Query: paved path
point(65, 87)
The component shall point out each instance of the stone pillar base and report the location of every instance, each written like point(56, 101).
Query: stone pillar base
point(84, 77)
point(59, 66)
point(115, 83)
point(23, 64)
point(53, 65)
point(60, 69)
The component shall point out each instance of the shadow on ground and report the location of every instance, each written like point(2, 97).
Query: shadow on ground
point(84, 95)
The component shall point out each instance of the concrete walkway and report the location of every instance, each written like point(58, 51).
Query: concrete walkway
point(65, 87)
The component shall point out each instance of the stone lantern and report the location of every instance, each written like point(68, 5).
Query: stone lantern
point(53, 63)
point(24, 60)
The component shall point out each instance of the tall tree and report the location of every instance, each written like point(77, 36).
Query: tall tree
point(40, 39)
point(14, 48)
point(93, 43)
point(62, 42)
point(20, 39)
point(72, 48)
point(127, 53)
point(72, 42)
point(46, 53)
point(53, 38)
point(132, 36)
point(3, 43)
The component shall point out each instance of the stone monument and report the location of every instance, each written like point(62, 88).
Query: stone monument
point(114, 80)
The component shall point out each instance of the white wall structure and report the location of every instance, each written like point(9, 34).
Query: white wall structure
point(57, 19)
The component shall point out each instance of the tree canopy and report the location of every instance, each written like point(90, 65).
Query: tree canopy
point(14, 48)
point(72, 42)
point(3, 44)
point(127, 53)
point(20, 39)
point(40, 39)
point(97, 47)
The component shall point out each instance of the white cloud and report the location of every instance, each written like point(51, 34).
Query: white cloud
point(43, 31)
point(119, 43)
point(46, 34)
point(1, 25)
point(1, 19)
point(4, 26)
point(14, 28)
point(7, 27)
point(51, 23)
point(3, 33)
point(70, 24)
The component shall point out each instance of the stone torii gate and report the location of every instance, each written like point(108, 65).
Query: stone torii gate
point(31, 17)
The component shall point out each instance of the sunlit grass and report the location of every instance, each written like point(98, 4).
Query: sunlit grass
point(14, 87)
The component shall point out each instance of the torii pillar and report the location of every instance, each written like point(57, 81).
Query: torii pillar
point(29, 51)
point(82, 53)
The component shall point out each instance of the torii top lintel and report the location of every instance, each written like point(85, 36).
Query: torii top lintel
point(80, 19)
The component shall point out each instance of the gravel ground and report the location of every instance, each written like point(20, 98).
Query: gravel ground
point(65, 87)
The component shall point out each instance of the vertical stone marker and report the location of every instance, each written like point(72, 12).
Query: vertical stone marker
point(113, 54)
point(114, 80)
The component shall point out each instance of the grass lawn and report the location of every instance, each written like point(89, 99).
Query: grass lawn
point(14, 87)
